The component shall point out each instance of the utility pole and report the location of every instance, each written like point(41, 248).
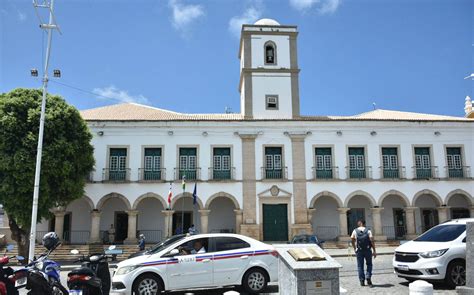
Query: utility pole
point(49, 27)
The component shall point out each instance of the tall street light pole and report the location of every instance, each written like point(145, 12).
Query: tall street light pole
point(49, 27)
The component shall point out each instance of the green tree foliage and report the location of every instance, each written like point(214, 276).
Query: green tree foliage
point(67, 157)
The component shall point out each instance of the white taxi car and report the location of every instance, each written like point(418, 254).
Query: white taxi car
point(198, 262)
point(437, 255)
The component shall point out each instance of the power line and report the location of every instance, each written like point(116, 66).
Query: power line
point(85, 91)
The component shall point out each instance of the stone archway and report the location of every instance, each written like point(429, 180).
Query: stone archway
point(114, 218)
point(150, 219)
point(185, 211)
point(77, 221)
point(429, 206)
point(393, 215)
point(222, 208)
point(460, 204)
point(325, 219)
point(359, 204)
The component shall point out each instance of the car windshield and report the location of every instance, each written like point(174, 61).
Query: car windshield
point(442, 233)
point(165, 243)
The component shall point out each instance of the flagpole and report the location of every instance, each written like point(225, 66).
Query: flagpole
point(182, 207)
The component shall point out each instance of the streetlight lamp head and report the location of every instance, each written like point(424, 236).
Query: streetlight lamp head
point(34, 72)
point(57, 73)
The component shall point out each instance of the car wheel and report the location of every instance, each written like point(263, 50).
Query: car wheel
point(255, 281)
point(456, 274)
point(147, 284)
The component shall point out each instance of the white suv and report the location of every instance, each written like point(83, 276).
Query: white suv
point(437, 255)
point(197, 262)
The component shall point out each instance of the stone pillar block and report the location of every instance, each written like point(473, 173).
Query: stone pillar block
point(95, 228)
point(204, 220)
point(168, 222)
point(377, 222)
point(443, 213)
point(132, 227)
point(469, 287)
point(238, 220)
point(410, 222)
point(343, 236)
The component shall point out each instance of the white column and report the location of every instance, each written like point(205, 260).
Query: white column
point(132, 227)
point(95, 228)
point(343, 236)
point(204, 220)
point(168, 222)
point(472, 211)
point(59, 222)
point(377, 222)
point(410, 222)
point(238, 220)
point(443, 214)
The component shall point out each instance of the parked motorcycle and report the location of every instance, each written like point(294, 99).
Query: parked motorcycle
point(93, 277)
point(7, 283)
point(42, 276)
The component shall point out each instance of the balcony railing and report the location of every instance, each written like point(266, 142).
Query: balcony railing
point(325, 173)
point(462, 172)
point(394, 232)
point(425, 173)
point(116, 175)
point(191, 174)
point(78, 237)
point(397, 173)
point(151, 175)
point(355, 173)
point(222, 174)
point(274, 173)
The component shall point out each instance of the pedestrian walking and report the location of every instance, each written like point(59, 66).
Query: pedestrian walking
point(141, 242)
point(363, 244)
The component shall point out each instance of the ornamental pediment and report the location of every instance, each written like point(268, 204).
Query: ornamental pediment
point(274, 192)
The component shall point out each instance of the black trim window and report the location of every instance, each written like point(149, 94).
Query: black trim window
point(229, 243)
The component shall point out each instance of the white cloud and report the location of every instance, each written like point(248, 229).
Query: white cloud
point(322, 6)
point(250, 15)
point(120, 95)
point(184, 14)
point(21, 16)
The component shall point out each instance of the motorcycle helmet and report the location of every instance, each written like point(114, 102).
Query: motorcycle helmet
point(50, 240)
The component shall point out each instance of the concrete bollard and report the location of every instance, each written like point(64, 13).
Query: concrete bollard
point(420, 288)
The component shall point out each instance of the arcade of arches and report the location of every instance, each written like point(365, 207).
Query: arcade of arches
point(392, 216)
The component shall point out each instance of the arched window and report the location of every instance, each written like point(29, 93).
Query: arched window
point(270, 53)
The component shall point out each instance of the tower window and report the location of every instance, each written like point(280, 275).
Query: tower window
point(271, 102)
point(270, 53)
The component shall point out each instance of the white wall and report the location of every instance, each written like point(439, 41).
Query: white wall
point(222, 214)
point(271, 84)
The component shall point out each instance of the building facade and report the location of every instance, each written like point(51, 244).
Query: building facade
point(269, 172)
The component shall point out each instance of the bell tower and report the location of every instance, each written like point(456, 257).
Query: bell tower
point(269, 72)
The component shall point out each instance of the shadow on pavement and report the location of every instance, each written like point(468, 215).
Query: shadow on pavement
point(436, 286)
point(382, 285)
point(273, 289)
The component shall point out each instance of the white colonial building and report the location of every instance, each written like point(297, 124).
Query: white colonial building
point(270, 172)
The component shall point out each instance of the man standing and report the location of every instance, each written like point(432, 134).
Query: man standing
point(192, 230)
point(363, 242)
point(141, 242)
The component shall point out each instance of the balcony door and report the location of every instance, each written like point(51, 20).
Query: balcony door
point(273, 164)
point(118, 164)
point(188, 163)
point(454, 162)
point(357, 162)
point(324, 163)
point(221, 163)
point(152, 164)
point(423, 162)
point(390, 162)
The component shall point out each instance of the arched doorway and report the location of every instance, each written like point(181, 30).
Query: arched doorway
point(325, 219)
point(77, 221)
point(113, 218)
point(185, 213)
point(359, 204)
point(460, 204)
point(427, 215)
point(151, 221)
point(222, 215)
point(393, 215)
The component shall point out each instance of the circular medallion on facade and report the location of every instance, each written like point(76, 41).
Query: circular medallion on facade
point(274, 190)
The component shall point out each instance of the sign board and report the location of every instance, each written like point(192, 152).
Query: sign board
point(318, 288)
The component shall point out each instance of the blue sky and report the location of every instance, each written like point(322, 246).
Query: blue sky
point(409, 55)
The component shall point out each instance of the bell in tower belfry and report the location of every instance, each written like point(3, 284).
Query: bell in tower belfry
point(269, 72)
